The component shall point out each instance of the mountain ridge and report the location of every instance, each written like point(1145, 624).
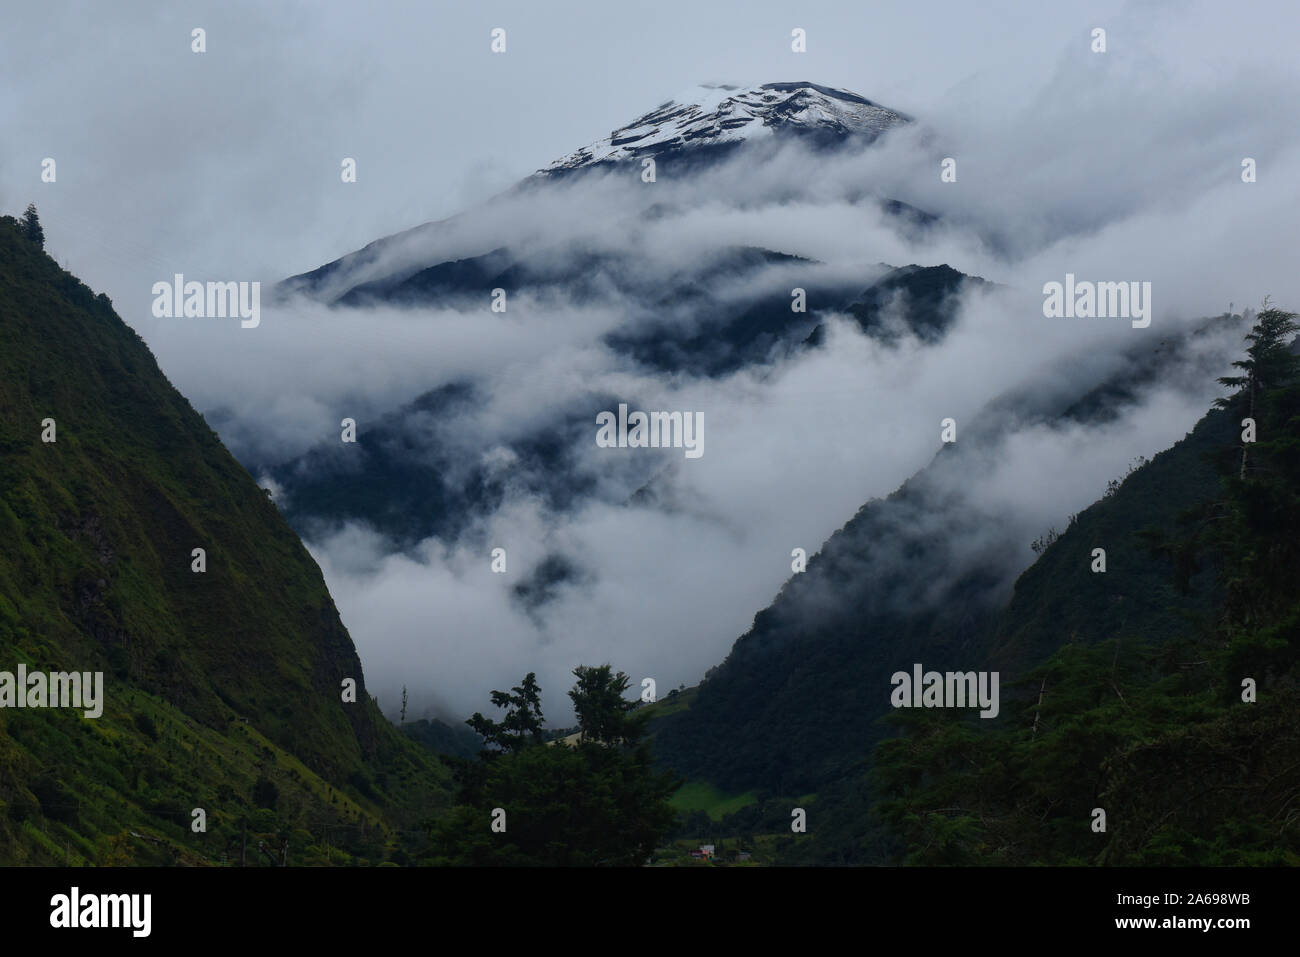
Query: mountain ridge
point(223, 683)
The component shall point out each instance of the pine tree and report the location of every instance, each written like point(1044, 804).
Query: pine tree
point(1268, 363)
point(1261, 537)
point(31, 226)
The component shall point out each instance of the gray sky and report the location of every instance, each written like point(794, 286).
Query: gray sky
point(227, 162)
point(169, 153)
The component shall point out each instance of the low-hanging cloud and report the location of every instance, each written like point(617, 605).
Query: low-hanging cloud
point(669, 577)
point(1117, 167)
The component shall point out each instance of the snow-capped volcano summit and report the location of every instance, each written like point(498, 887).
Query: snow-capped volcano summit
point(723, 114)
point(695, 130)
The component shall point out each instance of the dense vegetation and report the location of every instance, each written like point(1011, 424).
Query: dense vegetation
point(788, 709)
point(1161, 692)
point(1190, 745)
point(222, 687)
point(595, 801)
point(1139, 672)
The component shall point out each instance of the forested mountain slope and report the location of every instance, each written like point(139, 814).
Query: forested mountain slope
point(222, 688)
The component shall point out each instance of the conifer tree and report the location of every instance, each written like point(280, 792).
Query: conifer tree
point(31, 226)
point(1269, 362)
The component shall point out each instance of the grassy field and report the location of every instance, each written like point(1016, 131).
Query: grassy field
point(702, 796)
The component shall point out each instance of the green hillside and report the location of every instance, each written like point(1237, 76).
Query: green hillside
point(1182, 729)
point(917, 576)
point(792, 709)
point(222, 688)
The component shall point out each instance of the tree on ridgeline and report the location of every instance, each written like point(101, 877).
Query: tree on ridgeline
point(1269, 363)
point(1261, 536)
point(30, 225)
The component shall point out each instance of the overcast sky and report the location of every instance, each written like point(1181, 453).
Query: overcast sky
point(228, 161)
point(225, 165)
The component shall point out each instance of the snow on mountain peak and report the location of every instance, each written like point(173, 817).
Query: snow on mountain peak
point(721, 113)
